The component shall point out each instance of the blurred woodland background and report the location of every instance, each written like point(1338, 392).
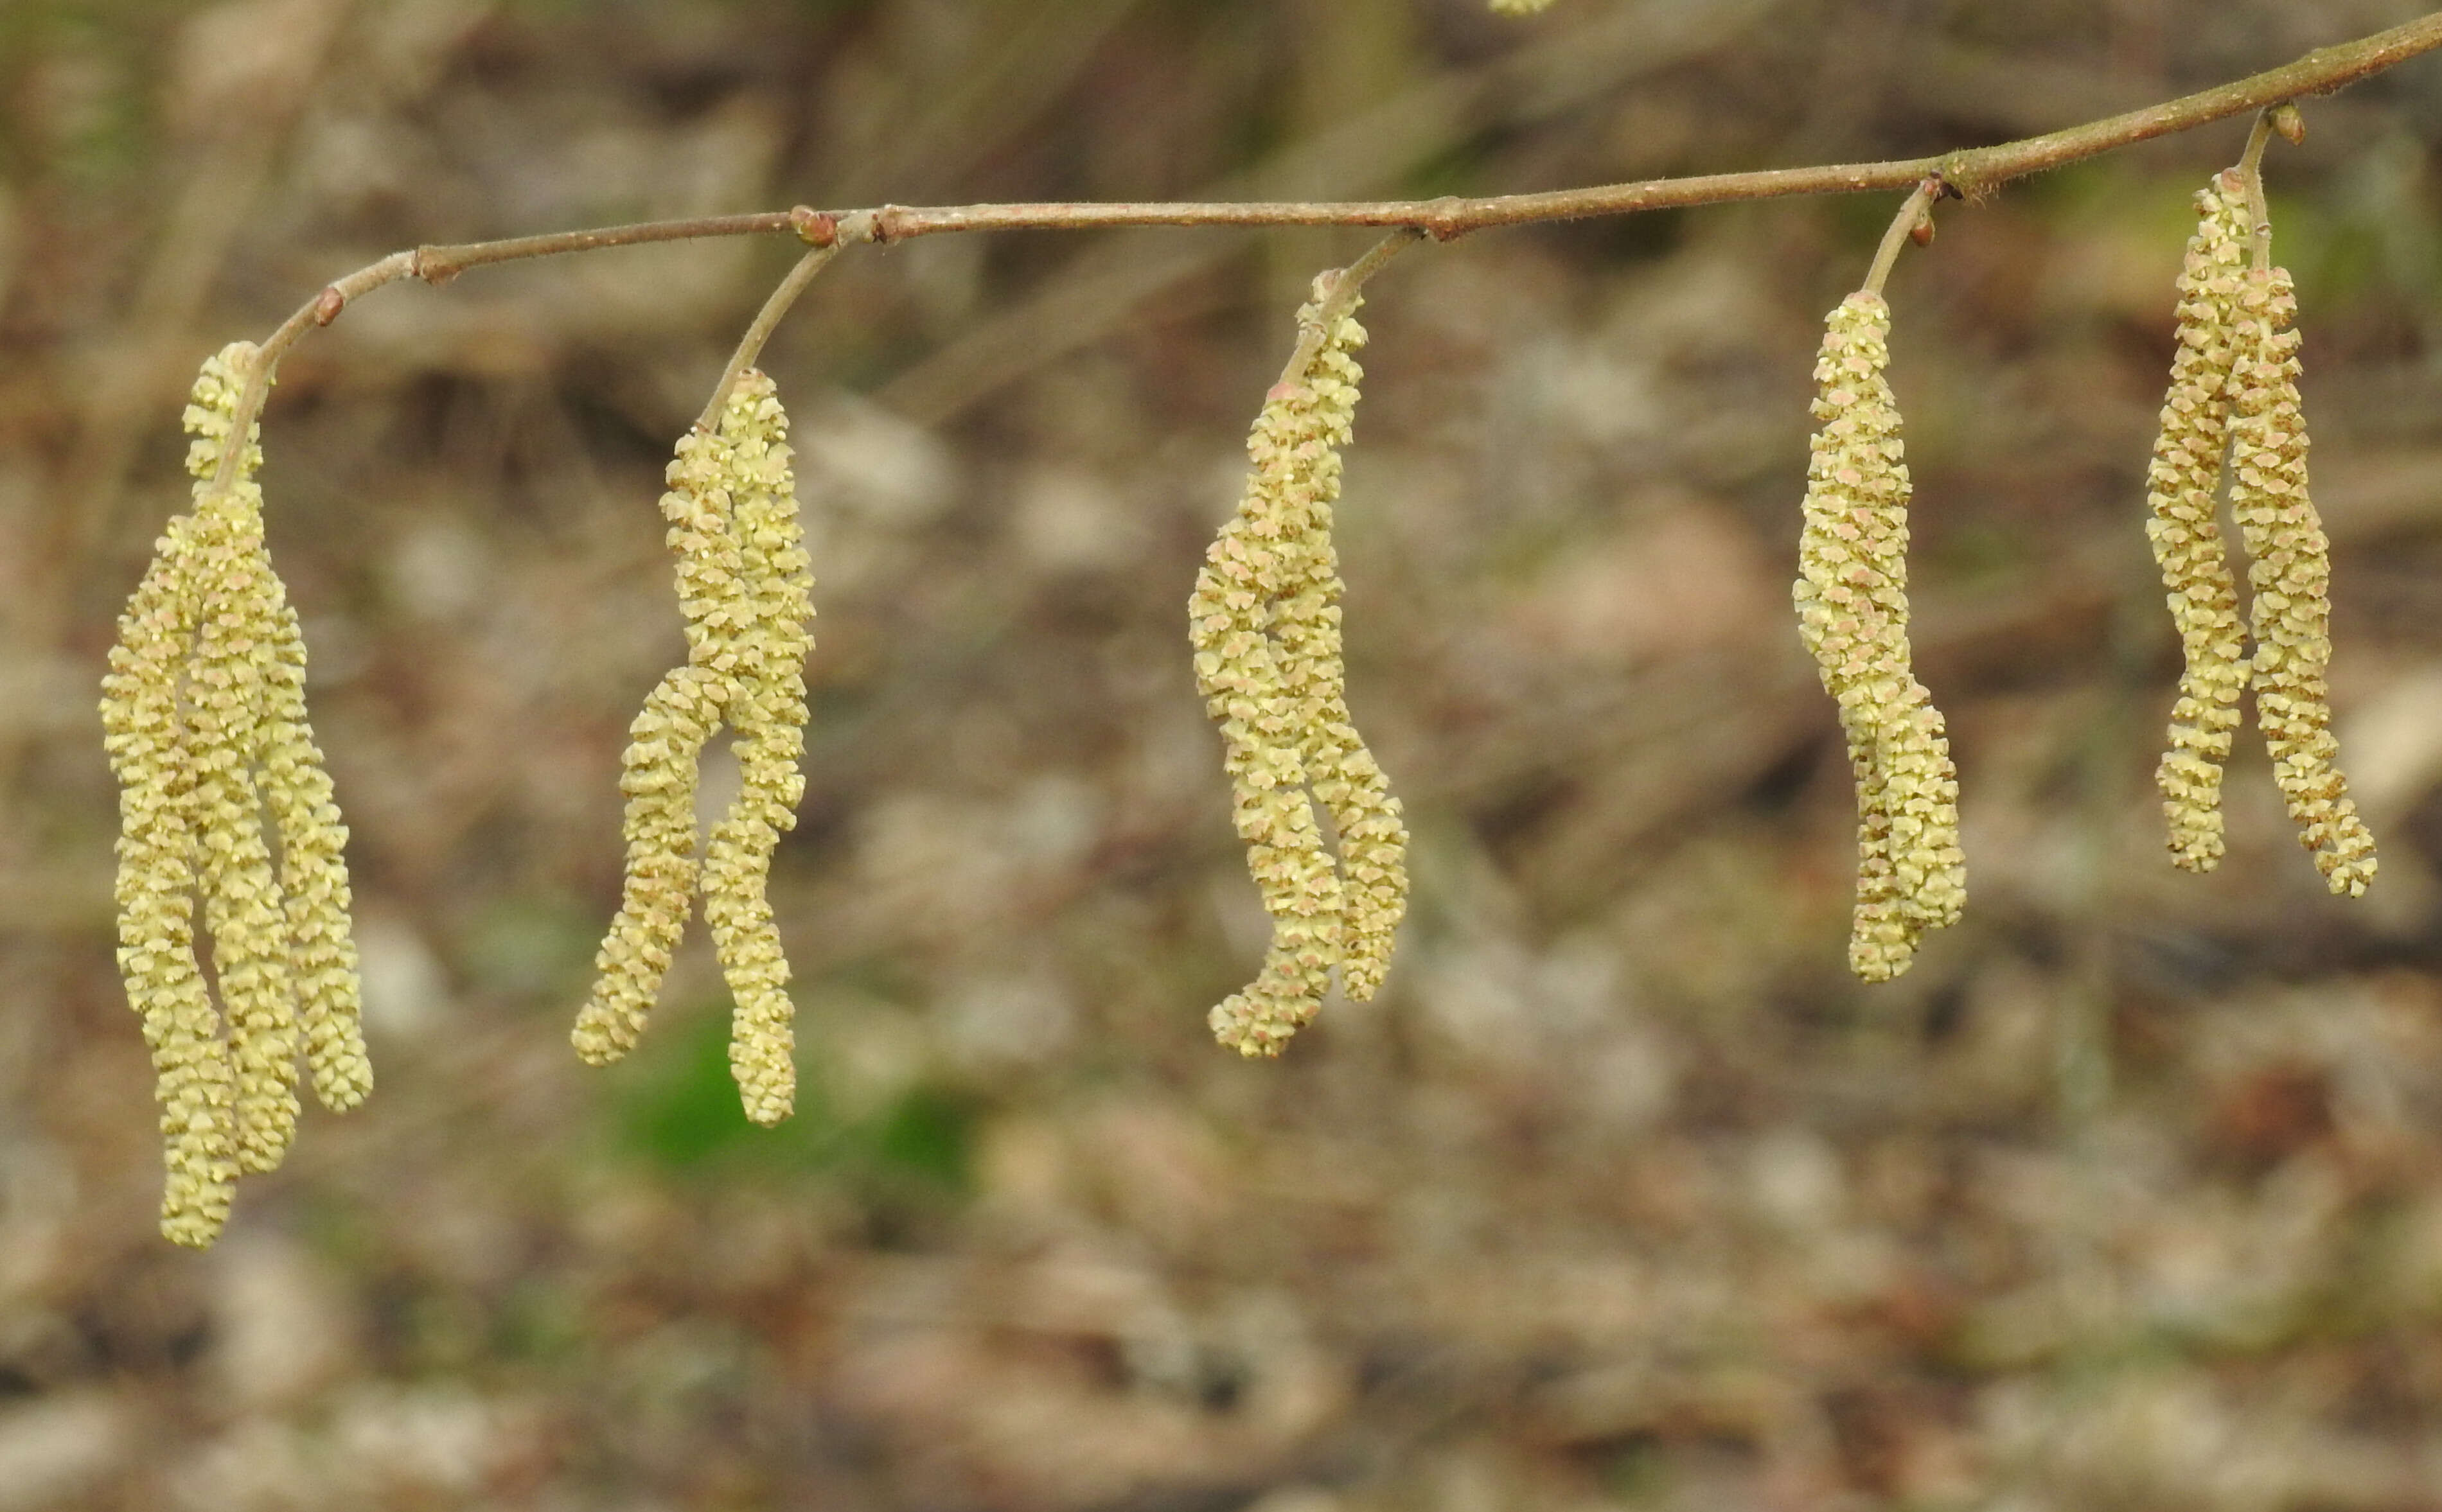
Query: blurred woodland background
point(1623, 1196)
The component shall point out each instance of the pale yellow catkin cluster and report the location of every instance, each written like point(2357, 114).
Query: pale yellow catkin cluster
point(2182, 488)
point(2234, 389)
point(1852, 613)
point(1264, 620)
point(745, 586)
point(204, 713)
point(1520, 8)
point(2290, 581)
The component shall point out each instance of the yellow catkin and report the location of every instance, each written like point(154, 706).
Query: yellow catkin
point(151, 721)
point(2182, 484)
point(1342, 772)
point(2289, 578)
point(204, 717)
point(146, 739)
point(314, 894)
point(658, 770)
point(1259, 560)
point(1852, 600)
point(235, 644)
point(284, 950)
point(1520, 8)
point(769, 714)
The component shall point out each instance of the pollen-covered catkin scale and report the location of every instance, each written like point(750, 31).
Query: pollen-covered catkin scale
point(769, 713)
point(1852, 600)
point(2182, 484)
point(2289, 577)
point(658, 770)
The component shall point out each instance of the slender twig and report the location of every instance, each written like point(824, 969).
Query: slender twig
point(1973, 174)
point(320, 310)
point(1914, 211)
point(750, 346)
point(1341, 294)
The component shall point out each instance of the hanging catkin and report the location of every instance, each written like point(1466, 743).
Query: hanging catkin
point(1342, 773)
point(2182, 485)
point(2289, 579)
point(769, 714)
point(1851, 599)
point(204, 710)
point(744, 588)
point(1265, 621)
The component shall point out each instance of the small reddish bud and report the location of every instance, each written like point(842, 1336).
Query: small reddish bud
point(2290, 122)
point(814, 228)
point(328, 304)
point(1921, 232)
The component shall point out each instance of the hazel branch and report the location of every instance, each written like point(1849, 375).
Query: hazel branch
point(1973, 174)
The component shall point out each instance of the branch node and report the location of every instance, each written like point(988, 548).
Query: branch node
point(885, 224)
point(814, 228)
point(431, 265)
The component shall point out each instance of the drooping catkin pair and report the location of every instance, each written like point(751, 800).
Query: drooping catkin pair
point(1265, 621)
point(2233, 391)
point(204, 713)
point(745, 587)
point(1853, 614)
